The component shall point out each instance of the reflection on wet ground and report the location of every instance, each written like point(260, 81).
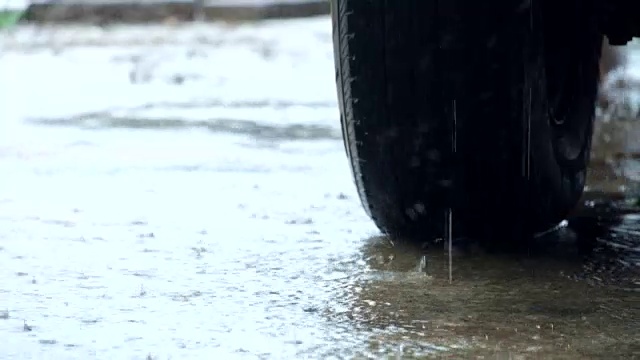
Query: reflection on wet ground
point(178, 223)
point(576, 297)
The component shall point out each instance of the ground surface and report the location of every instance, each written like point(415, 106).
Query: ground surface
point(183, 193)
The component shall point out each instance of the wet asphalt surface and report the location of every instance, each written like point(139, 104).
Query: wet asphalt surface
point(191, 198)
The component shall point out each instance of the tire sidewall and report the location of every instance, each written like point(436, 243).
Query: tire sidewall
point(563, 177)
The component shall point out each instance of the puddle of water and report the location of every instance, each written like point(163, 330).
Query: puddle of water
point(579, 299)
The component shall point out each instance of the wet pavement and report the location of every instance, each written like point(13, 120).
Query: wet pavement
point(187, 196)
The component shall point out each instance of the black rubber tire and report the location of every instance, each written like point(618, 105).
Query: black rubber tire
point(455, 105)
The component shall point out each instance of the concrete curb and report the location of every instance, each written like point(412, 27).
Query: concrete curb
point(103, 14)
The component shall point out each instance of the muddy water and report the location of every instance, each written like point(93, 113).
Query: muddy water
point(191, 199)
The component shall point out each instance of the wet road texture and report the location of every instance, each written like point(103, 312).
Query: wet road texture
point(189, 198)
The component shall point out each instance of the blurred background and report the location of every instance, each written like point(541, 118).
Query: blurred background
point(174, 185)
